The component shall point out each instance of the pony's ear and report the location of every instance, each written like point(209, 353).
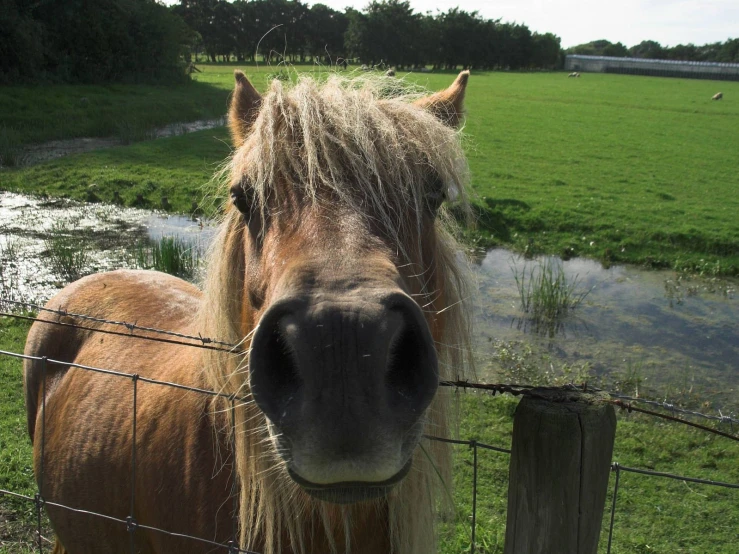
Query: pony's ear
point(245, 104)
point(448, 104)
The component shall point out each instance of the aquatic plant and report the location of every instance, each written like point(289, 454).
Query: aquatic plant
point(547, 294)
point(631, 379)
point(169, 254)
point(69, 254)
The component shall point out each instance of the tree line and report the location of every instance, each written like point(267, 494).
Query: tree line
point(143, 40)
point(90, 41)
point(726, 52)
point(386, 31)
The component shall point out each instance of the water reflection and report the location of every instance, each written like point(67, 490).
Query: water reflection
point(628, 320)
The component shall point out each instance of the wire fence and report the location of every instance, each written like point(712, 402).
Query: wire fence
point(132, 526)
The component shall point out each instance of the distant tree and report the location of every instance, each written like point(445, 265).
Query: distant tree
point(324, 32)
point(356, 41)
point(387, 32)
point(110, 40)
point(428, 44)
point(688, 52)
point(617, 50)
point(648, 49)
point(461, 36)
point(516, 46)
point(224, 40)
point(21, 42)
point(200, 16)
point(729, 52)
point(600, 47)
point(546, 50)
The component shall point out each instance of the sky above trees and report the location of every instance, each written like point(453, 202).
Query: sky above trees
point(669, 22)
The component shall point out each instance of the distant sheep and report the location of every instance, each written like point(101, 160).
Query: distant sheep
point(574, 74)
point(717, 96)
point(390, 73)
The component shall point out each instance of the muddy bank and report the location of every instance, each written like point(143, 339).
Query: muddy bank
point(58, 148)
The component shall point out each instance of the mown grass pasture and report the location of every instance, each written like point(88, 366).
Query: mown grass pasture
point(34, 114)
point(618, 168)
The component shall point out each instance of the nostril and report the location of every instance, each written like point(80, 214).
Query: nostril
point(411, 376)
point(274, 375)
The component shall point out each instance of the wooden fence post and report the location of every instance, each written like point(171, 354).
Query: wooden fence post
point(560, 463)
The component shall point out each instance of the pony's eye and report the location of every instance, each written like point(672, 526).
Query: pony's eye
point(435, 200)
point(435, 196)
point(241, 199)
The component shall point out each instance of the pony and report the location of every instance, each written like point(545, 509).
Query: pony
point(717, 96)
point(336, 275)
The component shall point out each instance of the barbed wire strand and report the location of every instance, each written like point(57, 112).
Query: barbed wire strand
point(514, 388)
point(676, 409)
point(125, 522)
point(537, 392)
point(119, 333)
point(127, 325)
point(204, 342)
point(124, 374)
point(511, 389)
point(653, 473)
point(628, 407)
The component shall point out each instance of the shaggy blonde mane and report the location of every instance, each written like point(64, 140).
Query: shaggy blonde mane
point(343, 143)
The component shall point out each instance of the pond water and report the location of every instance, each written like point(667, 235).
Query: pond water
point(107, 235)
point(641, 331)
point(649, 333)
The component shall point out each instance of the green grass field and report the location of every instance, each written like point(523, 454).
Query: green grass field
point(40, 113)
point(650, 511)
point(622, 168)
point(617, 168)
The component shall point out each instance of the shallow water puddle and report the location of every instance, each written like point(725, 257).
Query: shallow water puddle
point(638, 331)
point(107, 237)
point(641, 330)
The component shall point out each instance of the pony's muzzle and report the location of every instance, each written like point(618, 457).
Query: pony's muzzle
point(345, 383)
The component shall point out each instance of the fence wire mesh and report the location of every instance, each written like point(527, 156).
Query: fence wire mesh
point(232, 547)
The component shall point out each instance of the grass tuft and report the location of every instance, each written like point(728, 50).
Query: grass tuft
point(11, 154)
point(69, 256)
point(171, 255)
point(547, 295)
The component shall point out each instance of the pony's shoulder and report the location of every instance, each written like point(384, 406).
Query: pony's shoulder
point(130, 295)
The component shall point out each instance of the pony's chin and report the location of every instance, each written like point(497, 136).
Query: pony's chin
point(350, 492)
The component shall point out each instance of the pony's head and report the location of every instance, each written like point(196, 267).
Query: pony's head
point(335, 264)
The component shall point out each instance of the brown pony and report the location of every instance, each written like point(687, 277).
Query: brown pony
point(335, 276)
